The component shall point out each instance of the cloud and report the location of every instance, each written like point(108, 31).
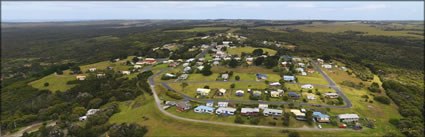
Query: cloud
point(302, 5)
point(369, 7)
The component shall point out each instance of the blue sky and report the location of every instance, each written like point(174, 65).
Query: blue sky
point(79, 10)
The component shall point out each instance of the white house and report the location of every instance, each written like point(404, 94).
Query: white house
point(276, 93)
point(298, 114)
point(311, 97)
point(301, 65)
point(82, 118)
point(185, 64)
point(137, 66)
point(126, 72)
point(92, 69)
point(225, 111)
point(203, 91)
point(327, 66)
point(307, 86)
point(320, 61)
point(299, 69)
point(170, 75)
point(303, 73)
point(210, 104)
point(187, 69)
point(222, 104)
point(221, 92)
point(275, 84)
point(348, 117)
point(92, 112)
point(200, 67)
point(263, 106)
point(272, 112)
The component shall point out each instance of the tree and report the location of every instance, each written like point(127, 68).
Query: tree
point(232, 85)
point(127, 130)
point(239, 119)
point(282, 83)
point(294, 134)
point(382, 99)
point(309, 117)
point(46, 84)
point(206, 71)
point(258, 61)
point(233, 63)
point(135, 59)
point(257, 52)
point(183, 85)
point(76, 69)
point(95, 103)
point(286, 119)
point(237, 77)
point(207, 87)
point(271, 61)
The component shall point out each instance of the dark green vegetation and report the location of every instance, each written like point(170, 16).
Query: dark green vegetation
point(32, 51)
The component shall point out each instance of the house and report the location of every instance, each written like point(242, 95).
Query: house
point(92, 112)
point(126, 72)
point(204, 45)
point(275, 84)
point(216, 63)
point(310, 70)
point(203, 109)
point(200, 67)
point(320, 61)
point(183, 106)
point(199, 63)
point(238, 58)
point(82, 118)
point(322, 118)
point(170, 103)
point(172, 65)
point(250, 111)
point(81, 77)
point(190, 60)
point(185, 64)
point(222, 104)
point(217, 59)
point(261, 76)
point(149, 61)
point(225, 77)
point(183, 76)
point(170, 75)
point(298, 114)
point(256, 93)
point(276, 93)
point(272, 112)
point(284, 63)
point(296, 59)
point(100, 75)
point(311, 97)
point(286, 57)
point(225, 111)
point(348, 118)
point(307, 86)
point(187, 69)
point(288, 78)
point(343, 69)
point(210, 104)
point(293, 95)
point(140, 63)
point(299, 69)
point(249, 59)
point(227, 58)
point(303, 110)
point(301, 65)
point(137, 66)
point(303, 73)
point(331, 95)
point(226, 42)
point(221, 92)
point(263, 106)
point(92, 69)
point(203, 91)
point(180, 60)
point(327, 66)
point(239, 93)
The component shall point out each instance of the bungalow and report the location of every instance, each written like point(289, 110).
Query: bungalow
point(180, 60)
point(296, 59)
point(272, 112)
point(327, 66)
point(307, 86)
point(137, 66)
point(225, 77)
point(199, 63)
point(204, 109)
point(289, 78)
point(275, 84)
point(310, 70)
point(170, 103)
point(201, 59)
point(100, 75)
point(223, 104)
point(216, 63)
point(210, 104)
point(185, 64)
point(263, 106)
point(348, 118)
point(311, 97)
point(343, 69)
point(170, 75)
point(183, 76)
point(92, 69)
point(249, 59)
point(301, 65)
point(256, 93)
point(203, 91)
point(238, 58)
point(190, 60)
point(261, 76)
point(221, 92)
point(81, 77)
point(82, 118)
point(303, 74)
point(200, 68)
point(331, 95)
point(183, 106)
point(140, 63)
point(172, 65)
point(250, 111)
point(277, 93)
point(284, 63)
point(225, 111)
point(217, 59)
point(227, 58)
point(293, 95)
point(149, 61)
point(239, 93)
point(187, 69)
point(320, 61)
point(319, 117)
point(299, 69)
point(126, 72)
point(298, 114)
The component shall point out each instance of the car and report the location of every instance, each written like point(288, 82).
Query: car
point(319, 126)
point(318, 105)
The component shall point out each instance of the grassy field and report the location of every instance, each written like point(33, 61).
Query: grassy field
point(312, 80)
point(199, 29)
point(344, 26)
point(239, 50)
point(160, 66)
point(56, 82)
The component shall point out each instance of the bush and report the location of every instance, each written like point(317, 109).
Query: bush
point(237, 78)
point(254, 121)
point(46, 84)
point(272, 123)
point(173, 95)
point(293, 134)
point(239, 120)
point(382, 99)
point(127, 130)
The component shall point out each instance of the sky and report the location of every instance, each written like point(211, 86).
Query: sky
point(103, 10)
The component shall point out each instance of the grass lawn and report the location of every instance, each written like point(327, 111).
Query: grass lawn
point(160, 66)
point(247, 70)
point(56, 82)
point(199, 29)
point(208, 57)
point(239, 50)
point(200, 77)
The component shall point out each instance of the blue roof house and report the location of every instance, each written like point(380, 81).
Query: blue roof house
point(289, 78)
point(293, 95)
point(320, 117)
point(210, 104)
point(204, 109)
point(261, 76)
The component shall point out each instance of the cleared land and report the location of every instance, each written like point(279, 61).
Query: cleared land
point(199, 29)
point(238, 51)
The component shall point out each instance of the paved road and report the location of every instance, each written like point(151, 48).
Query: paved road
point(205, 51)
point(334, 86)
point(241, 81)
point(158, 105)
point(30, 128)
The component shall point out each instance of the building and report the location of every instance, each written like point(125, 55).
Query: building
point(221, 92)
point(92, 69)
point(183, 106)
point(307, 86)
point(250, 111)
point(126, 72)
point(272, 112)
point(320, 61)
point(327, 66)
point(81, 77)
point(284, 63)
point(137, 66)
point(301, 65)
point(293, 95)
point(239, 93)
point(322, 118)
point(310, 70)
point(100, 75)
point(210, 104)
point(276, 93)
point(149, 61)
point(298, 114)
point(223, 104)
point(203, 91)
point(170, 75)
point(299, 69)
point(203, 109)
point(288, 78)
point(187, 69)
point(275, 84)
point(200, 67)
point(170, 103)
point(348, 118)
point(263, 106)
point(185, 64)
point(303, 73)
point(311, 97)
point(216, 63)
point(331, 95)
point(225, 77)
point(261, 76)
point(225, 111)
point(343, 68)
point(296, 59)
point(256, 93)
point(183, 76)
point(82, 118)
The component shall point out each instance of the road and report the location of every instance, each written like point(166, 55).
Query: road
point(158, 105)
point(30, 128)
point(241, 81)
point(205, 51)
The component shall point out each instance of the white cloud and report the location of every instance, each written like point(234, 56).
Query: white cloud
point(302, 5)
point(369, 7)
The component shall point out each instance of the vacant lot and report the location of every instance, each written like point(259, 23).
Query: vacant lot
point(56, 82)
point(239, 50)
